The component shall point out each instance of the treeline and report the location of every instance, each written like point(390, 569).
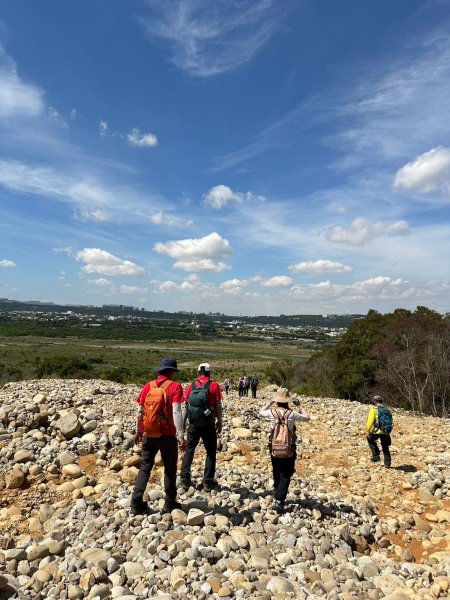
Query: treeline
point(404, 356)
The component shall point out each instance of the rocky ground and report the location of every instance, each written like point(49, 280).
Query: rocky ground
point(352, 530)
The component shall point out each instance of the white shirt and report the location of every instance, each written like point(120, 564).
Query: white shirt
point(294, 416)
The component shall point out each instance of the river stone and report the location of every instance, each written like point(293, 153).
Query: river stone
point(68, 425)
point(14, 479)
point(23, 456)
point(97, 556)
point(241, 433)
point(388, 583)
point(72, 470)
point(195, 516)
point(279, 586)
point(66, 458)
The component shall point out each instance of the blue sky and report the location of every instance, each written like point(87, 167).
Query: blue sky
point(241, 156)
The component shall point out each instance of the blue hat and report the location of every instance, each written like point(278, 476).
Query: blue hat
point(168, 363)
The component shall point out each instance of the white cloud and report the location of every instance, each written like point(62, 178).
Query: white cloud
point(54, 116)
point(337, 208)
point(84, 214)
point(203, 264)
point(167, 286)
point(427, 173)
point(208, 38)
point(362, 230)
point(142, 140)
point(17, 98)
point(101, 282)
point(103, 128)
point(277, 281)
point(233, 284)
point(320, 266)
point(100, 261)
point(219, 196)
point(373, 292)
point(196, 254)
point(6, 264)
point(162, 218)
point(132, 289)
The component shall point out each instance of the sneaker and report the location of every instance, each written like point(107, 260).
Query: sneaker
point(375, 459)
point(278, 507)
point(210, 485)
point(138, 507)
point(185, 484)
point(170, 505)
point(387, 466)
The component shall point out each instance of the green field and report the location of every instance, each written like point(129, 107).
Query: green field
point(29, 357)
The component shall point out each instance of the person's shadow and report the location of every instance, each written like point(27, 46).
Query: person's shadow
point(406, 468)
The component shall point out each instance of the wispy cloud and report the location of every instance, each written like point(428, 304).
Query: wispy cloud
point(208, 38)
point(17, 97)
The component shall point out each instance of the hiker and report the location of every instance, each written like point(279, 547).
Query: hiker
point(226, 385)
point(160, 427)
point(246, 385)
point(254, 385)
point(379, 427)
point(241, 386)
point(204, 412)
point(282, 442)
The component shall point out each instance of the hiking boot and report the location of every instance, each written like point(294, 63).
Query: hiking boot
point(170, 505)
point(278, 507)
point(387, 466)
point(210, 485)
point(185, 483)
point(139, 507)
point(375, 459)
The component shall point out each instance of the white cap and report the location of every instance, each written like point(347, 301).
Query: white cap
point(205, 366)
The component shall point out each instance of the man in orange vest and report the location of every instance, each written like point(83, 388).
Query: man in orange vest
point(169, 439)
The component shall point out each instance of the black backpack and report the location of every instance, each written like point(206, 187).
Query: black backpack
point(198, 404)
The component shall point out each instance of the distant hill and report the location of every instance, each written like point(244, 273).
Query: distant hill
point(7, 305)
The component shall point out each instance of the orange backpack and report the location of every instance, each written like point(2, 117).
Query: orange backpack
point(155, 416)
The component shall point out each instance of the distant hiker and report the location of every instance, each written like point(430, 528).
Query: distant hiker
point(226, 385)
point(246, 385)
point(241, 386)
point(282, 442)
point(379, 427)
point(254, 385)
point(204, 412)
point(159, 426)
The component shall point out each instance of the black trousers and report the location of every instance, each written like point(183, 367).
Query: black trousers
point(168, 446)
point(283, 469)
point(385, 440)
point(254, 388)
point(208, 435)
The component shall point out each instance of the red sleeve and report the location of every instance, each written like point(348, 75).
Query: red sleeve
point(143, 393)
point(215, 393)
point(175, 392)
point(187, 391)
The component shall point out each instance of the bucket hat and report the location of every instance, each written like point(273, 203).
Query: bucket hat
point(167, 363)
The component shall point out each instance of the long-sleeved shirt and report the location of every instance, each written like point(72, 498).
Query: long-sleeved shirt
point(293, 417)
point(372, 421)
point(175, 403)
